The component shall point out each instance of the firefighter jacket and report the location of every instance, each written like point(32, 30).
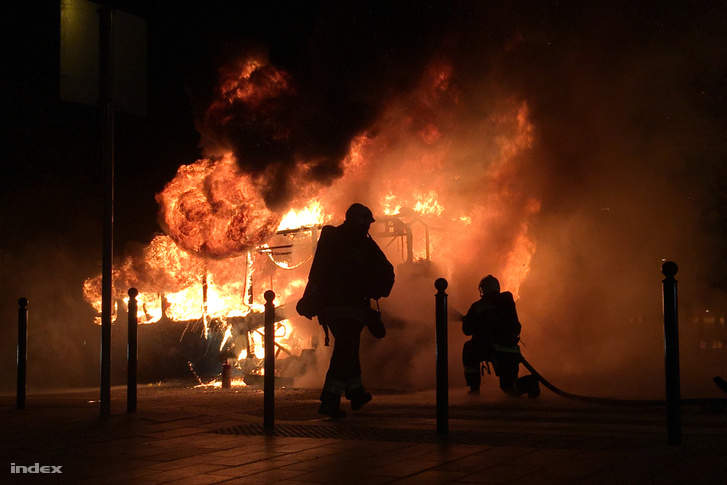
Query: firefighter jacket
point(348, 269)
point(493, 320)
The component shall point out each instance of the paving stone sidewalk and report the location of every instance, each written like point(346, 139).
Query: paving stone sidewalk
point(181, 434)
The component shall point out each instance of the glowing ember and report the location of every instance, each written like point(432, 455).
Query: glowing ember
point(217, 384)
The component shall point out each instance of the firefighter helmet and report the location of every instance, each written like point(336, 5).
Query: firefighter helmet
point(360, 214)
point(489, 284)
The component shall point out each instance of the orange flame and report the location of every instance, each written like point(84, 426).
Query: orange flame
point(212, 209)
point(453, 190)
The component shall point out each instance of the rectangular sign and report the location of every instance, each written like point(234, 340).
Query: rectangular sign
point(80, 57)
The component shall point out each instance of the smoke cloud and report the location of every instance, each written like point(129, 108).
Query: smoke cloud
point(357, 57)
point(625, 166)
point(628, 156)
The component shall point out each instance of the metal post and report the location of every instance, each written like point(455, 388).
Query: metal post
point(106, 89)
point(426, 242)
point(226, 375)
point(131, 353)
point(205, 315)
point(409, 245)
point(442, 372)
point(269, 381)
point(22, 352)
point(671, 354)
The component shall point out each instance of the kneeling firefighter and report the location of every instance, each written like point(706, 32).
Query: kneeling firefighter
point(348, 271)
point(493, 323)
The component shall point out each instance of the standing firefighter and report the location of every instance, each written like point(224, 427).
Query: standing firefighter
point(493, 323)
point(349, 269)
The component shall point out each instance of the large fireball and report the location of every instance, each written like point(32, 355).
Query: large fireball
point(213, 209)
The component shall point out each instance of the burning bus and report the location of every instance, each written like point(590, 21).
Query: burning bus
point(213, 310)
point(239, 222)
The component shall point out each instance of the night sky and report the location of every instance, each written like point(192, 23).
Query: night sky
point(605, 81)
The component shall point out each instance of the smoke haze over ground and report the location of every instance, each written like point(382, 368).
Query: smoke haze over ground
point(623, 166)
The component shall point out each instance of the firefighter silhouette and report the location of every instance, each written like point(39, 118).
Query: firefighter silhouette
point(493, 323)
point(348, 270)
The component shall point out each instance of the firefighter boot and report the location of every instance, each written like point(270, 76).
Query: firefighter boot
point(534, 391)
point(358, 397)
point(331, 405)
point(721, 383)
point(531, 384)
point(473, 378)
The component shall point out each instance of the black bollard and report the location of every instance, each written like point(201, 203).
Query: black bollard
point(226, 375)
point(269, 380)
point(131, 353)
point(671, 354)
point(22, 352)
point(442, 372)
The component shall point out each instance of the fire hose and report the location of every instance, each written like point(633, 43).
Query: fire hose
point(628, 402)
